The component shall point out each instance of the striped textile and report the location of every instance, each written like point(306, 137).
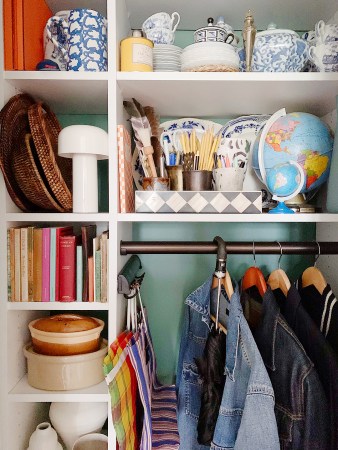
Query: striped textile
point(159, 401)
point(122, 383)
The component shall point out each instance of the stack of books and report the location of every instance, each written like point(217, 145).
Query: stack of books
point(24, 23)
point(48, 264)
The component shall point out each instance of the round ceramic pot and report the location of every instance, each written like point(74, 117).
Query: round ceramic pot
point(72, 420)
point(213, 34)
point(277, 50)
point(325, 56)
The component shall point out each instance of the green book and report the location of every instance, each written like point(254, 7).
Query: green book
point(79, 273)
point(97, 275)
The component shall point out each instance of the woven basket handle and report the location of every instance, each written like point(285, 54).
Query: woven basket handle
point(65, 28)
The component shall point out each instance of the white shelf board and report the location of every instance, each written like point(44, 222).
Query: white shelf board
point(229, 218)
point(57, 306)
point(65, 92)
point(295, 15)
point(187, 94)
point(23, 392)
point(56, 217)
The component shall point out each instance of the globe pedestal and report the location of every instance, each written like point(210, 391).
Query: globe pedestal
point(281, 208)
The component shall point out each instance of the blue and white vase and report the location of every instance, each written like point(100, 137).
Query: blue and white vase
point(84, 44)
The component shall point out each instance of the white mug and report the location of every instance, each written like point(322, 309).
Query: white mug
point(161, 20)
point(326, 33)
point(325, 56)
point(160, 36)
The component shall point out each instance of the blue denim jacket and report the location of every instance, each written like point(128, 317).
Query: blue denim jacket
point(246, 418)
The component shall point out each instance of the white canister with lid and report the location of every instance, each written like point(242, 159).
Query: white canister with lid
point(136, 53)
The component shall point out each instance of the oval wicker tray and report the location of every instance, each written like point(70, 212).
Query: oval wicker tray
point(30, 176)
point(45, 129)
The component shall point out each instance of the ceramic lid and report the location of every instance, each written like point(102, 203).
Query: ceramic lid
point(272, 29)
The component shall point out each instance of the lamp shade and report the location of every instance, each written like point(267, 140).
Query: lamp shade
point(83, 140)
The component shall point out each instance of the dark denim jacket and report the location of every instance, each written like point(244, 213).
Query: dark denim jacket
point(301, 407)
point(246, 418)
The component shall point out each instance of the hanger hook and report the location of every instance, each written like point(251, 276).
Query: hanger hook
point(254, 252)
point(318, 255)
point(281, 254)
point(220, 271)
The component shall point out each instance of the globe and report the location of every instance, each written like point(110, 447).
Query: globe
point(283, 179)
point(300, 137)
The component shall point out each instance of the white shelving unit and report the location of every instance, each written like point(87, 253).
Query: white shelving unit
point(172, 94)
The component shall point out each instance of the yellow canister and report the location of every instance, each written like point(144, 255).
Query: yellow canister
point(136, 53)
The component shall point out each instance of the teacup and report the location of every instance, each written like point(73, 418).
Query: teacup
point(161, 20)
point(160, 36)
point(325, 56)
point(326, 33)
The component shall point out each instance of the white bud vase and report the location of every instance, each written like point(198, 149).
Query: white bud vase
point(44, 437)
point(72, 420)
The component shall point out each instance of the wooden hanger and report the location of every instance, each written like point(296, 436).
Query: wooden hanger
point(254, 277)
point(312, 275)
point(278, 278)
point(221, 276)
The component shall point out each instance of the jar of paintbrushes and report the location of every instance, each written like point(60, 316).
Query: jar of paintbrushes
point(190, 154)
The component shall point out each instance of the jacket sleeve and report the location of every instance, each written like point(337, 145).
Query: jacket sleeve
point(316, 414)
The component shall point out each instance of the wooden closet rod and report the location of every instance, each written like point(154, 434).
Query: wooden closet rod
point(235, 248)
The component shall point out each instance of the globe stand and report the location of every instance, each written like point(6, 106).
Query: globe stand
point(281, 208)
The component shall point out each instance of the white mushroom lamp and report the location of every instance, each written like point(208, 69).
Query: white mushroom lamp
point(85, 144)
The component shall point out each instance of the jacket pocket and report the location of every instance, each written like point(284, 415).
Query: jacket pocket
point(192, 390)
point(285, 427)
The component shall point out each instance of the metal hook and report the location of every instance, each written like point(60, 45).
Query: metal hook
point(281, 254)
point(316, 259)
point(254, 252)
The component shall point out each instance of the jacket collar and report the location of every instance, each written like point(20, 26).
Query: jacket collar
point(265, 334)
point(199, 300)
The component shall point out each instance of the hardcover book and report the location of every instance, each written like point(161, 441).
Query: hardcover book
point(37, 265)
point(68, 268)
point(24, 263)
point(88, 232)
point(45, 264)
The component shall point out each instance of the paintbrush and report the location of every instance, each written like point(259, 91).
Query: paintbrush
point(142, 130)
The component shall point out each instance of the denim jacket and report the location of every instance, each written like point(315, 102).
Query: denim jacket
point(246, 418)
point(301, 407)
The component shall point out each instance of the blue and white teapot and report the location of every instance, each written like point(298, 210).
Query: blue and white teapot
point(82, 40)
point(277, 50)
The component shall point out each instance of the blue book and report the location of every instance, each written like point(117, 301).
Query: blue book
point(79, 273)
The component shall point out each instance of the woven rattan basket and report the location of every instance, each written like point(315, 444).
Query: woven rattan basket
point(45, 129)
point(30, 176)
point(213, 68)
point(13, 125)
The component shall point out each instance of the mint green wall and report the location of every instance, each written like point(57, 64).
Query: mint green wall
point(170, 278)
point(101, 121)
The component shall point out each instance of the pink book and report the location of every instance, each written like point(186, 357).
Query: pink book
point(126, 187)
point(45, 264)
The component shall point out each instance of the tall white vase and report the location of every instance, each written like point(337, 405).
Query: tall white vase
point(72, 420)
point(43, 438)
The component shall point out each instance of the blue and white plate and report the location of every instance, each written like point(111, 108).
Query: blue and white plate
point(187, 123)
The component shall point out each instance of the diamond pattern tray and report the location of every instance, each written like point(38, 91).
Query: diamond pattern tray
point(203, 202)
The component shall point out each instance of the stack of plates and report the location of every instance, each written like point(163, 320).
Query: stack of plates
point(167, 58)
point(210, 56)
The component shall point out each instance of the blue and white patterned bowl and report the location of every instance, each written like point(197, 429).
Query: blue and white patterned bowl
point(277, 51)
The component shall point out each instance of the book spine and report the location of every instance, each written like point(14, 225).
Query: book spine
point(88, 233)
point(45, 263)
point(30, 244)
point(79, 273)
point(52, 280)
point(24, 264)
point(8, 34)
point(97, 269)
point(37, 265)
point(91, 279)
point(67, 268)
point(17, 258)
point(104, 263)
point(19, 33)
point(9, 287)
point(12, 263)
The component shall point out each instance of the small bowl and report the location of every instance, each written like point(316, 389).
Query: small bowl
point(63, 373)
point(65, 344)
point(213, 34)
point(91, 441)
